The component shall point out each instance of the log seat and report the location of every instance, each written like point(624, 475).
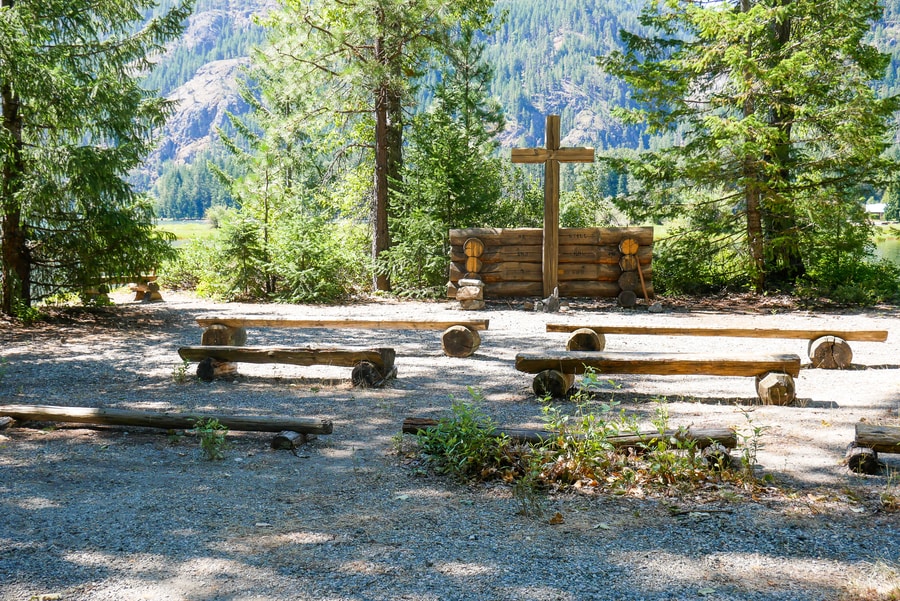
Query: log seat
point(827, 349)
point(871, 439)
point(460, 337)
point(556, 370)
point(371, 367)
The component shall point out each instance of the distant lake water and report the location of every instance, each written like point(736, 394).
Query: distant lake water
point(889, 249)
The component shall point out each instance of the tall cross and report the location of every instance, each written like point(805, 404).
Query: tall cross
point(551, 157)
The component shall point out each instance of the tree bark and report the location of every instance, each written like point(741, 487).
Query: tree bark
point(16, 260)
point(150, 419)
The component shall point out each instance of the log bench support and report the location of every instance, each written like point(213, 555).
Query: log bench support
point(828, 349)
point(371, 367)
point(556, 371)
point(459, 339)
point(871, 439)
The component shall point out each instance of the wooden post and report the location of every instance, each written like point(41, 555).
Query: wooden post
point(551, 157)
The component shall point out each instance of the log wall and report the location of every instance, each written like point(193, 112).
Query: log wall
point(591, 262)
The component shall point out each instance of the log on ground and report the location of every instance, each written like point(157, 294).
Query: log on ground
point(862, 460)
point(460, 341)
point(704, 437)
point(151, 419)
point(586, 339)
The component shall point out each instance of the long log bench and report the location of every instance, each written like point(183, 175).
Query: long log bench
point(556, 370)
point(371, 367)
point(459, 339)
point(828, 348)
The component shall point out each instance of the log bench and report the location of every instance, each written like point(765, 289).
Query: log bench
point(371, 367)
point(871, 439)
point(828, 348)
point(556, 370)
point(460, 337)
point(144, 287)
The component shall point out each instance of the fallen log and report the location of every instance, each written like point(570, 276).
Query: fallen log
point(704, 437)
point(151, 419)
point(862, 460)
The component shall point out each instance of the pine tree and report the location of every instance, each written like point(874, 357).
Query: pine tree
point(75, 122)
point(778, 121)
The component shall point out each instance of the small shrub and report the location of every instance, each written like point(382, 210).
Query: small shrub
point(212, 438)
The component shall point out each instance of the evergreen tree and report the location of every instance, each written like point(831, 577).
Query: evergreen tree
point(776, 124)
point(75, 122)
point(451, 175)
point(351, 66)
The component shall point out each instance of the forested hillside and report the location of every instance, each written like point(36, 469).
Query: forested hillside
point(543, 55)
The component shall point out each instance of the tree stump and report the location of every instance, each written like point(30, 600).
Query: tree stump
point(290, 440)
point(552, 383)
point(366, 375)
point(586, 339)
point(862, 460)
point(222, 335)
point(775, 388)
point(209, 369)
point(460, 341)
point(830, 352)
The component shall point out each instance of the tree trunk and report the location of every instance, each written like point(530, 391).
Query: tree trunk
point(150, 419)
point(830, 352)
point(460, 341)
point(16, 262)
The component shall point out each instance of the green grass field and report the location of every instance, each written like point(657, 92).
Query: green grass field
point(185, 230)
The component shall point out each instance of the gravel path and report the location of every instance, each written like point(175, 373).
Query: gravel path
point(97, 513)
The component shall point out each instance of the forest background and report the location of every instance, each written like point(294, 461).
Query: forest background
point(282, 164)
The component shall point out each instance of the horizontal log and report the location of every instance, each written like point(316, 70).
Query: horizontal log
point(383, 358)
point(513, 289)
point(567, 236)
point(802, 334)
point(582, 288)
point(663, 364)
point(607, 254)
point(532, 253)
point(152, 419)
point(883, 439)
point(703, 436)
point(500, 272)
point(361, 324)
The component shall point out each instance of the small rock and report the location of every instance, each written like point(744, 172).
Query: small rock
point(656, 307)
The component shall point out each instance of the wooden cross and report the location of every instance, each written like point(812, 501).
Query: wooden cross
point(551, 157)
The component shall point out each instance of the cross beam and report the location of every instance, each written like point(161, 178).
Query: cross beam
point(551, 157)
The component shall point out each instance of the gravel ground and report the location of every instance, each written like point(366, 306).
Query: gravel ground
point(96, 513)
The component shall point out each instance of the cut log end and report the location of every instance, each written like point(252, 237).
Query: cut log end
point(776, 388)
point(366, 374)
point(863, 460)
point(460, 341)
point(290, 440)
point(222, 335)
point(552, 383)
point(830, 352)
point(209, 369)
point(627, 299)
point(586, 339)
